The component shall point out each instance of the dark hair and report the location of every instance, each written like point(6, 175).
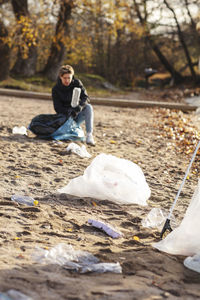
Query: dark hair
point(66, 69)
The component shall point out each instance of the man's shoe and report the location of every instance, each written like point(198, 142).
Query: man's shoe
point(90, 139)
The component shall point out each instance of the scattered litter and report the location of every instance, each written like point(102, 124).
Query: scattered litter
point(80, 261)
point(193, 263)
point(55, 142)
point(19, 130)
point(111, 178)
point(103, 268)
point(24, 200)
point(185, 239)
point(14, 295)
point(81, 151)
point(111, 231)
point(156, 219)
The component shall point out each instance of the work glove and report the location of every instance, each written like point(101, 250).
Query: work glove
point(74, 111)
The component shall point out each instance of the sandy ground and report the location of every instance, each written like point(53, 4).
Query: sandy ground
point(38, 168)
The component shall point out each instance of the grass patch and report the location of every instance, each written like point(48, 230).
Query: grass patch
point(93, 83)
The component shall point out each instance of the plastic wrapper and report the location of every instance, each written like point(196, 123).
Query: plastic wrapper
point(24, 200)
point(80, 151)
point(81, 261)
point(103, 267)
point(14, 295)
point(111, 178)
point(156, 219)
point(185, 239)
point(111, 231)
point(61, 254)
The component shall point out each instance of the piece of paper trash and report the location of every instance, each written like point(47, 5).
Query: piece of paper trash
point(81, 151)
point(111, 231)
point(19, 130)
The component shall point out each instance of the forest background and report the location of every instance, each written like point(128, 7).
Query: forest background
point(112, 39)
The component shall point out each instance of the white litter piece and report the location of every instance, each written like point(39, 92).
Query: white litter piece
point(65, 255)
point(156, 219)
point(19, 130)
point(75, 97)
point(185, 239)
point(111, 231)
point(14, 295)
point(80, 151)
point(193, 263)
point(55, 142)
point(111, 178)
point(103, 268)
point(24, 200)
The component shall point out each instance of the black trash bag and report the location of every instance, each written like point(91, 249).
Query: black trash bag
point(46, 124)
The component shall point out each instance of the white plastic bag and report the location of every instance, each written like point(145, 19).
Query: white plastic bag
point(193, 263)
point(111, 178)
point(185, 239)
point(80, 151)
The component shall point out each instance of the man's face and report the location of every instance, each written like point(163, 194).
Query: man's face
point(66, 79)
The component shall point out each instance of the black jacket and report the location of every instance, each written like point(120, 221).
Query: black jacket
point(62, 96)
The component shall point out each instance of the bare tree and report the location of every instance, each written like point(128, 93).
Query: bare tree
point(182, 41)
point(164, 61)
point(4, 52)
point(25, 64)
point(58, 46)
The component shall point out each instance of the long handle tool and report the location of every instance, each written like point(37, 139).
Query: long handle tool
point(167, 225)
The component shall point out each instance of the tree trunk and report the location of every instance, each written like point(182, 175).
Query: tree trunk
point(58, 48)
point(4, 52)
point(25, 64)
point(176, 76)
point(182, 41)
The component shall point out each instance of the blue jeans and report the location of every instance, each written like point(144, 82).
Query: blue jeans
point(86, 115)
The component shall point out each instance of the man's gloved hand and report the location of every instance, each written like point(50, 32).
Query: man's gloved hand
point(78, 109)
point(73, 112)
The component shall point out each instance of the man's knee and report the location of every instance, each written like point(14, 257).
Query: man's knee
point(88, 108)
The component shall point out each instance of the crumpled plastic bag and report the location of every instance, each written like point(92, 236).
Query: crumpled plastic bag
point(65, 255)
point(185, 239)
point(156, 219)
point(193, 263)
point(80, 151)
point(111, 178)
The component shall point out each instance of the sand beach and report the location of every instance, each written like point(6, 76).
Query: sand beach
point(159, 140)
